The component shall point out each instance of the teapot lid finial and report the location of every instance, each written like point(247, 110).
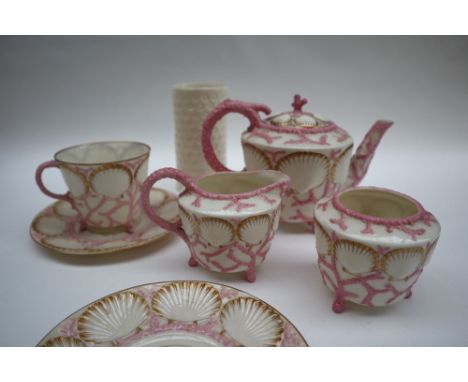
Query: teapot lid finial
point(298, 118)
point(298, 103)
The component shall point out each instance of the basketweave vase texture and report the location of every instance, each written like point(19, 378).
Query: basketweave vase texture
point(192, 103)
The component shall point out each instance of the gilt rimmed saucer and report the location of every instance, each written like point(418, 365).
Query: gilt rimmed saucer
point(176, 313)
point(57, 227)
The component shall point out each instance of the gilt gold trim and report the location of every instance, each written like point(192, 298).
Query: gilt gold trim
point(62, 341)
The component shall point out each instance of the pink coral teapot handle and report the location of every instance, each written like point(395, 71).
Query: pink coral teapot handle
point(247, 109)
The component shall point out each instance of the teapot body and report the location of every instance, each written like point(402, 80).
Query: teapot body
point(317, 164)
point(314, 152)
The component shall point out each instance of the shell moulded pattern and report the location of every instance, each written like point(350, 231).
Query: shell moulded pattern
point(371, 261)
point(58, 227)
point(106, 195)
point(313, 175)
point(314, 152)
point(232, 234)
point(176, 313)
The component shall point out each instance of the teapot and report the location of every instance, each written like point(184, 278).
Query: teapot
point(313, 151)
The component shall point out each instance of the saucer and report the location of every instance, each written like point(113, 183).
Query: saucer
point(57, 228)
point(176, 313)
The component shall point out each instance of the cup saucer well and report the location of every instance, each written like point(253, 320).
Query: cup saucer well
point(57, 228)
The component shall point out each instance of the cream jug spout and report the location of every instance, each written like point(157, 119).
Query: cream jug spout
point(365, 152)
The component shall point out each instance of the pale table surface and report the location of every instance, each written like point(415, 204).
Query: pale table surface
point(60, 91)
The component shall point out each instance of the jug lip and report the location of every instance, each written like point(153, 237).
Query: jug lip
point(282, 182)
point(413, 218)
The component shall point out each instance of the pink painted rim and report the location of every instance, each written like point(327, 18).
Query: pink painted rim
point(376, 220)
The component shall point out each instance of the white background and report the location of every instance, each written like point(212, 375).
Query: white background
point(56, 92)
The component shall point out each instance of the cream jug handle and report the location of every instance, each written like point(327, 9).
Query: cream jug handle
point(247, 109)
point(167, 172)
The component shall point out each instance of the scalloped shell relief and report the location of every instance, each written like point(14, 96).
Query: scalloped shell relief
point(186, 301)
point(254, 229)
point(251, 322)
point(356, 258)
point(113, 317)
point(111, 180)
point(255, 159)
point(401, 263)
point(306, 170)
point(215, 231)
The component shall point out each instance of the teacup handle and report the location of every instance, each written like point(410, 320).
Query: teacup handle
point(247, 109)
point(40, 169)
point(167, 172)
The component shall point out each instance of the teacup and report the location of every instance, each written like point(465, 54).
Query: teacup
point(104, 182)
point(227, 219)
point(373, 244)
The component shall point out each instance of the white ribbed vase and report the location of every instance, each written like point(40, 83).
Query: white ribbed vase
point(192, 103)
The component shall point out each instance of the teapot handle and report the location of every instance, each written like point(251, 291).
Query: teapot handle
point(247, 109)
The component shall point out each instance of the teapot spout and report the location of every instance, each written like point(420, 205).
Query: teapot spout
point(365, 152)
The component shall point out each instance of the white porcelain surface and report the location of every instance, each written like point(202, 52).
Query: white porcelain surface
point(252, 322)
point(176, 313)
point(187, 301)
point(57, 228)
point(112, 317)
point(374, 257)
point(232, 235)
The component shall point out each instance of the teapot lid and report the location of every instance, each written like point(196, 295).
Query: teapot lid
point(298, 118)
